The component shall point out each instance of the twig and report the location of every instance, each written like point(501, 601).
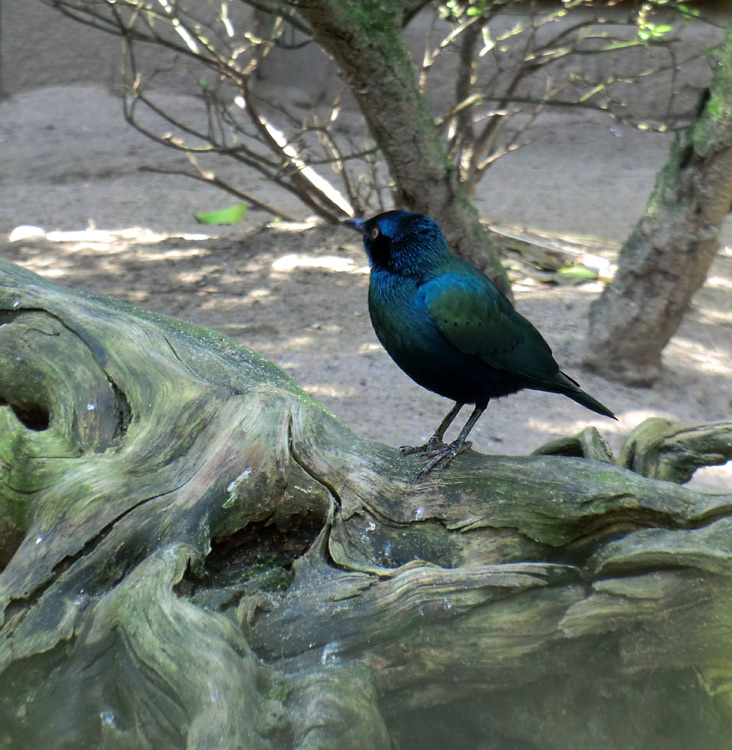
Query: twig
point(211, 179)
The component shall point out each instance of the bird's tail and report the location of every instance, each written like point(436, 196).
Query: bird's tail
point(571, 388)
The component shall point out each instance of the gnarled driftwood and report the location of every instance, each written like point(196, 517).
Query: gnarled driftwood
point(197, 555)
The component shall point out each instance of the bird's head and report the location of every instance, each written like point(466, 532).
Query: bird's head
point(401, 242)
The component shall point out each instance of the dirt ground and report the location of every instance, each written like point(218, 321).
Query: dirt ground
point(297, 293)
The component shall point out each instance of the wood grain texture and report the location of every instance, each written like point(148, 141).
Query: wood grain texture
point(197, 555)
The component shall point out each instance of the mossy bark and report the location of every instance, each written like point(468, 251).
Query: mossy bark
point(666, 258)
point(196, 554)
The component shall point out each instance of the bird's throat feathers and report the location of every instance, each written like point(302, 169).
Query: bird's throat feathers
point(404, 243)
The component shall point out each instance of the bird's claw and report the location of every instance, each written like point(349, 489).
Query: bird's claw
point(442, 458)
point(432, 447)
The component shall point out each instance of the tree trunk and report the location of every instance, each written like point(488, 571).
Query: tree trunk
point(667, 256)
point(197, 555)
point(366, 41)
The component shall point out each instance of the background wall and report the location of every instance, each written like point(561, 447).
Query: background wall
point(40, 47)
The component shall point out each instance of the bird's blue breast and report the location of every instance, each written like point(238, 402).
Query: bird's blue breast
point(405, 328)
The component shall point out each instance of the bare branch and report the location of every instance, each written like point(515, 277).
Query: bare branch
point(211, 179)
point(502, 71)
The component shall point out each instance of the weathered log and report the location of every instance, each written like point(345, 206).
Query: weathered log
point(196, 554)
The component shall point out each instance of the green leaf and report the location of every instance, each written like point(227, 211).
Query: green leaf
point(578, 271)
point(231, 215)
point(689, 11)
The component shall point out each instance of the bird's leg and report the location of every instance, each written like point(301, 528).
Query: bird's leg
point(434, 445)
point(443, 457)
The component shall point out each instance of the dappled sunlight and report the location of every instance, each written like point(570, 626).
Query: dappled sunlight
point(293, 227)
point(328, 390)
point(100, 237)
point(173, 253)
point(634, 417)
point(712, 360)
point(253, 266)
point(102, 240)
point(191, 277)
point(715, 316)
point(371, 347)
point(718, 282)
point(259, 293)
point(291, 262)
point(558, 423)
point(51, 268)
point(73, 248)
point(298, 296)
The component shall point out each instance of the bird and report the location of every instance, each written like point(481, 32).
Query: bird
point(450, 328)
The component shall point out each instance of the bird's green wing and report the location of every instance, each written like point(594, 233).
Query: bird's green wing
point(477, 319)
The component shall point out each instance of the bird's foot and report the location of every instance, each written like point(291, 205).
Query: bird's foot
point(443, 457)
point(432, 447)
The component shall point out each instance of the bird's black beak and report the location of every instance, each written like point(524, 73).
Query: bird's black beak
point(356, 224)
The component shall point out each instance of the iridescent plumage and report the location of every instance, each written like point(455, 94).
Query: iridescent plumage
point(450, 328)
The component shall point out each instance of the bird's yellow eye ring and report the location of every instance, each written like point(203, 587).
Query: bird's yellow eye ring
point(375, 233)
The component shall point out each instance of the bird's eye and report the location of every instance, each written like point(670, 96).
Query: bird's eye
point(375, 233)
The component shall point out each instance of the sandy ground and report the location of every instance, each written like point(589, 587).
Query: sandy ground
point(70, 166)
